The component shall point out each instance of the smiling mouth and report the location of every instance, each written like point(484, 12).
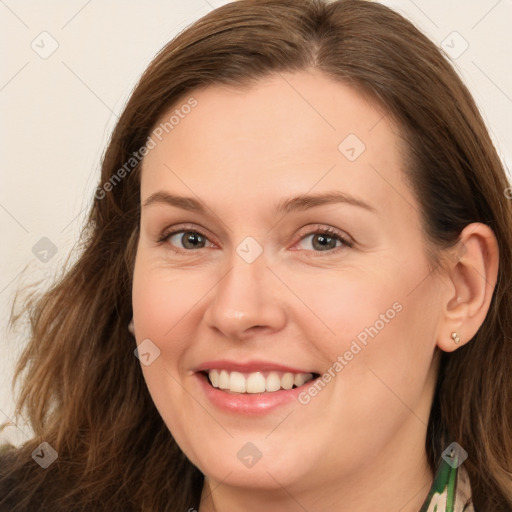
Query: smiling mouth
point(257, 382)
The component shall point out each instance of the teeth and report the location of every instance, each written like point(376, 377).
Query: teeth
point(214, 378)
point(224, 380)
point(273, 382)
point(257, 382)
point(287, 381)
point(300, 379)
point(237, 382)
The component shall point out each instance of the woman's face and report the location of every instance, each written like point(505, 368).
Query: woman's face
point(236, 280)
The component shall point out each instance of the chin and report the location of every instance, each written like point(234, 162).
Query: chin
point(252, 465)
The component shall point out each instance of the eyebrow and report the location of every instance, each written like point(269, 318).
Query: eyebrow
point(298, 203)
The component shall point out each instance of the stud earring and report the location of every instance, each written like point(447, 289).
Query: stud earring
point(131, 327)
point(455, 338)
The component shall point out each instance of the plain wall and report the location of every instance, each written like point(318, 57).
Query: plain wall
point(57, 111)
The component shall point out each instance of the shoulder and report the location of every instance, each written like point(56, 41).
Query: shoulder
point(15, 479)
point(9, 481)
point(6, 463)
point(27, 487)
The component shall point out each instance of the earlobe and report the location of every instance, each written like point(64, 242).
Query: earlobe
point(472, 275)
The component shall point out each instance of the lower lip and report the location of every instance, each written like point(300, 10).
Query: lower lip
point(248, 403)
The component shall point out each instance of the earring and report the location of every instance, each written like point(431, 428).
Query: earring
point(455, 337)
point(131, 327)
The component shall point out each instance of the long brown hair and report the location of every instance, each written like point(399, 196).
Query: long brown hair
point(82, 388)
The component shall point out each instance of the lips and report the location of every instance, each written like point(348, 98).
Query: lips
point(251, 404)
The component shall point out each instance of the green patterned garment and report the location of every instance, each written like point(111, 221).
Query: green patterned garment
point(451, 490)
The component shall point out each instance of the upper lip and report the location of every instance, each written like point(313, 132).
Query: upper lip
point(248, 367)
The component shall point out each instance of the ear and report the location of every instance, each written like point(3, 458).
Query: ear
point(472, 271)
point(131, 327)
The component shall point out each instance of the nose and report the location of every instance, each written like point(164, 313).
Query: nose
point(246, 301)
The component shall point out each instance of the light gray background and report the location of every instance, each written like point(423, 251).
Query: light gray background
point(58, 110)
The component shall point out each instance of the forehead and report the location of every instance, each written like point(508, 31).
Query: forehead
point(285, 135)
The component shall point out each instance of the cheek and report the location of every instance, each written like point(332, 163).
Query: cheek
point(348, 307)
point(392, 307)
point(163, 300)
point(153, 306)
point(389, 381)
point(379, 345)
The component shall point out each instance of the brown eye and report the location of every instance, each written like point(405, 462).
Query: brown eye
point(189, 240)
point(324, 240)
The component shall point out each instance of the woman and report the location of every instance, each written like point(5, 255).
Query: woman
point(302, 230)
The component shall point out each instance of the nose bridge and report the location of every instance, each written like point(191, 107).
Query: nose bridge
point(245, 296)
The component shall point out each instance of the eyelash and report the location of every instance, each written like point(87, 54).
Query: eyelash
point(318, 230)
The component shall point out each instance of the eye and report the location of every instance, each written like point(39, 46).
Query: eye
point(324, 240)
point(185, 240)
